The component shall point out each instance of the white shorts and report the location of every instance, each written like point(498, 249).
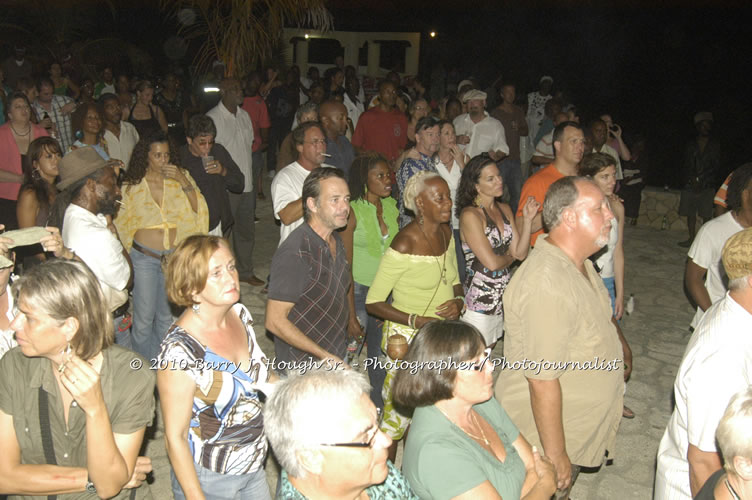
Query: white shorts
point(491, 326)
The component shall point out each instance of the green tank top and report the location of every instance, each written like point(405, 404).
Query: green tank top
point(368, 243)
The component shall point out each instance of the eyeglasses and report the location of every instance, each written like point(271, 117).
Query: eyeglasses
point(316, 142)
point(369, 441)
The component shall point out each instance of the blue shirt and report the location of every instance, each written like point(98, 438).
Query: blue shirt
point(409, 168)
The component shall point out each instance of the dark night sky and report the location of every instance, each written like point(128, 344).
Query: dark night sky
point(651, 68)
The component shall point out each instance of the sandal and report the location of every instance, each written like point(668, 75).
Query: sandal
point(627, 413)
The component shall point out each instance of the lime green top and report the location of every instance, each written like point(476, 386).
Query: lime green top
point(368, 243)
point(415, 281)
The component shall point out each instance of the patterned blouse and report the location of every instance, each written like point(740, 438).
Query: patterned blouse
point(485, 287)
point(226, 433)
point(140, 211)
point(394, 487)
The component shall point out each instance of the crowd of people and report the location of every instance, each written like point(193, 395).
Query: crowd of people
point(426, 232)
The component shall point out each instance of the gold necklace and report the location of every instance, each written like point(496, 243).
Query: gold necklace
point(482, 436)
point(442, 266)
point(28, 130)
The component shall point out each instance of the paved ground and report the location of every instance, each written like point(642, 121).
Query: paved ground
point(656, 331)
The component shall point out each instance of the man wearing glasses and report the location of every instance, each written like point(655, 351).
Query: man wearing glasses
point(337, 450)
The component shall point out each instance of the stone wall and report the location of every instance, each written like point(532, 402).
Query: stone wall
point(657, 203)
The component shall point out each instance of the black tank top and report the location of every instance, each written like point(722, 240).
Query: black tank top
point(145, 127)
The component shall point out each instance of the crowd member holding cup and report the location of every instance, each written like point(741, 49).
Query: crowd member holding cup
point(214, 171)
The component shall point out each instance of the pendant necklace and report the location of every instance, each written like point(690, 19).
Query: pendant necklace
point(442, 267)
point(482, 436)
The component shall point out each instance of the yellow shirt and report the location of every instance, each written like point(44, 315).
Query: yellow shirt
point(140, 211)
point(415, 281)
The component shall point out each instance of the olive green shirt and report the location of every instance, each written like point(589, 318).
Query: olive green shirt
point(128, 394)
point(554, 314)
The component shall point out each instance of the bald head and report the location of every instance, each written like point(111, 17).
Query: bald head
point(333, 117)
point(232, 93)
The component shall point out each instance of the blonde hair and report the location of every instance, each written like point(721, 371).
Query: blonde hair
point(414, 186)
point(188, 267)
point(65, 289)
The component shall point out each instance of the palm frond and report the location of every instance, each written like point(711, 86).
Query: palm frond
point(243, 32)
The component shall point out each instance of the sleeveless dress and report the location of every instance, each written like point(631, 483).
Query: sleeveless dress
point(485, 287)
point(145, 127)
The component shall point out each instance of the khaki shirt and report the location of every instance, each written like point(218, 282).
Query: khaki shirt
point(553, 313)
point(128, 394)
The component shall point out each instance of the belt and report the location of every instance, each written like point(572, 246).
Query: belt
point(146, 251)
point(120, 311)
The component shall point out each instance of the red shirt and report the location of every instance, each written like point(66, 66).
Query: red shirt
point(381, 131)
point(536, 186)
point(256, 109)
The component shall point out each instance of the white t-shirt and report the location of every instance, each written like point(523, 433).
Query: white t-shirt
point(235, 133)
point(121, 148)
point(716, 365)
point(486, 135)
point(7, 339)
point(452, 178)
point(87, 235)
point(706, 252)
point(287, 187)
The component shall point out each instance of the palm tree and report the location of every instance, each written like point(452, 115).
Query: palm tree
point(242, 32)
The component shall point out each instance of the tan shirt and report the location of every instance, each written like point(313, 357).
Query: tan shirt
point(553, 313)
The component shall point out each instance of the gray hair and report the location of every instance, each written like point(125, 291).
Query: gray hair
point(739, 283)
point(290, 413)
point(734, 433)
point(65, 289)
point(309, 107)
point(561, 195)
point(416, 185)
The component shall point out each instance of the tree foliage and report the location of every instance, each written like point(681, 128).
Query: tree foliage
point(240, 33)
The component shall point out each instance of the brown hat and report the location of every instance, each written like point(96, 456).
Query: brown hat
point(78, 164)
point(737, 255)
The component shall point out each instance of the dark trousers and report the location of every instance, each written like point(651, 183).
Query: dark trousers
point(243, 231)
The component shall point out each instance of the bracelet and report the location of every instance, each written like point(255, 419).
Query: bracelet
point(187, 189)
point(411, 320)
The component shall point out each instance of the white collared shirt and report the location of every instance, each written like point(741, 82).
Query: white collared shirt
point(121, 148)
point(87, 235)
point(486, 135)
point(235, 133)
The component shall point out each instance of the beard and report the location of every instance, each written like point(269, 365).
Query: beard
point(108, 205)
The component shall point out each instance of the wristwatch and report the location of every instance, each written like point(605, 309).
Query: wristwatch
point(90, 486)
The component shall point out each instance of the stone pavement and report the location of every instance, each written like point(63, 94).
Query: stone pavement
point(657, 332)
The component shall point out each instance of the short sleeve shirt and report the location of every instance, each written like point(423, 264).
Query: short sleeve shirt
point(716, 364)
point(442, 462)
point(305, 273)
point(128, 394)
point(537, 186)
point(706, 251)
point(559, 320)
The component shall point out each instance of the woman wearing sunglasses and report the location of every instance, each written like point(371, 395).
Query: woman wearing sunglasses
point(461, 443)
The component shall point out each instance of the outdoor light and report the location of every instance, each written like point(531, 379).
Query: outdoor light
point(306, 36)
point(432, 34)
point(211, 89)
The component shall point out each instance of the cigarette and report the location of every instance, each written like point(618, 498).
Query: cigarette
point(324, 154)
point(120, 203)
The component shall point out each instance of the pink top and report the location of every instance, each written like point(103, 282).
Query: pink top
point(10, 158)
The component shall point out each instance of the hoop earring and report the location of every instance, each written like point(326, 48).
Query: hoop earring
point(35, 175)
point(196, 309)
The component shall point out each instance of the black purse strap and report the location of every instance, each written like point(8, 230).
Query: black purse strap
point(44, 425)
